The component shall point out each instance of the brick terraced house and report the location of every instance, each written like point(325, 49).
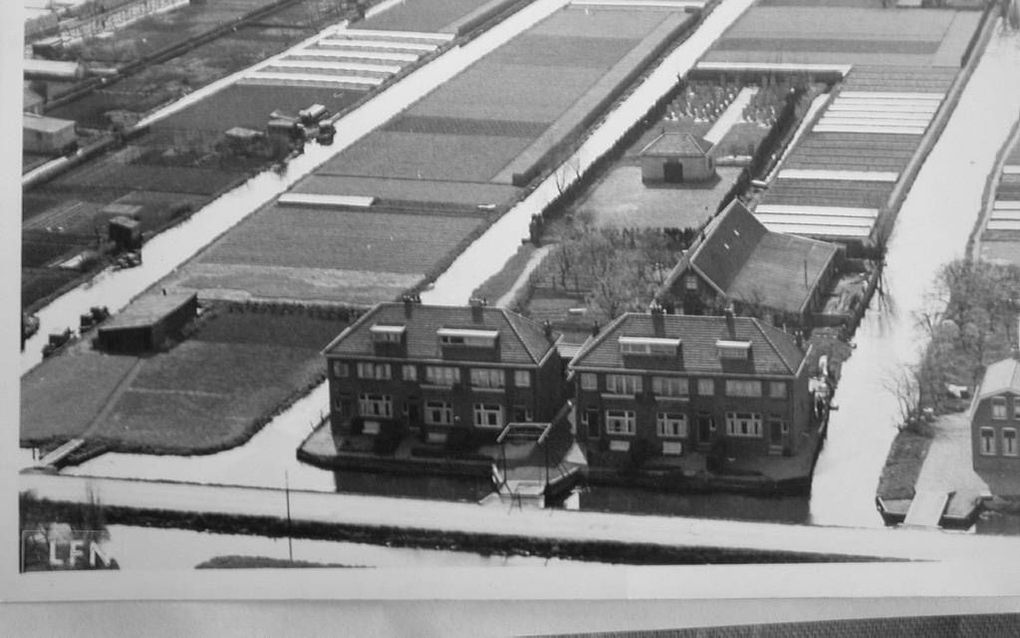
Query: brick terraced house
point(995, 424)
point(693, 383)
point(435, 368)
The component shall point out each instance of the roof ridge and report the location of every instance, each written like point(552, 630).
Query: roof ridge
point(506, 317)
point(775, 349)
point(590, 344)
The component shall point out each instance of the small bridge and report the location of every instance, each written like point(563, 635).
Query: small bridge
point(927, 508)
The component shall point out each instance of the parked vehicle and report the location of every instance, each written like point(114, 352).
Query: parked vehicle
point(57, 340)
point(130, 259)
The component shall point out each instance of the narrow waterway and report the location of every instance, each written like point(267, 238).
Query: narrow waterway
point(167, 251)
point(933, 225)
point(146, 548)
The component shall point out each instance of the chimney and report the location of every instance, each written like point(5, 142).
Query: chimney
point(658, 320)
point(547, 329)
point(477, 309)
point(409, 301)
point(595, 328)
point(731, 324)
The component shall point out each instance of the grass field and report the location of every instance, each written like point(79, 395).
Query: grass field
point(206, 394)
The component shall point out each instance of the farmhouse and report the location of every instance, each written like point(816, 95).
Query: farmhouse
point(42, 134)
point(995, 421)
point(738, 261)
point(440, 368)
point(682, 383)
point(677, 158)
point(147, 323)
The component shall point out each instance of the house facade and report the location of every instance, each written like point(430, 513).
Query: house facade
point(693, 383)
point(436, 368)
point(737, 261)
point(677, 158)
point(995, 420)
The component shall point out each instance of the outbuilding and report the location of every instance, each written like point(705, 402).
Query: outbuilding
point(145, 325)
point(41, 134)
point(677, 158)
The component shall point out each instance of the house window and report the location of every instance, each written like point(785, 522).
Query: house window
point(522, 378)
point(743, 388)
point(410, 373)
point(1016, 407)
point(522, 413)
point(438, 413)
point(670, 386)
point(468, 337)
point(987, 442)
point(375, 405)
point(589, 381)
point(623, 384)
point(367, 370)
point(1009, 442)
point(442, 375)
point(706, 387)
point(488, 415)
point(743, 424)
point(671, 424)
point(777, 389)
point(341, 369)
point(691, 282)
point(387, 334)
point(487, 378)
point(620, 422)
point(999, 407)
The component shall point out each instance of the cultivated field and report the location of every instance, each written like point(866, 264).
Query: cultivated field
point(853, 152)
point(420, 15)
point(801, 192)
point(792, 32)
point(208, 393)
point(250, 105)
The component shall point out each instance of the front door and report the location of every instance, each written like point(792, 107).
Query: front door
point(592, 421)
point(705, 428)
point(776, 433)
point(413, 413)
point(673, 172)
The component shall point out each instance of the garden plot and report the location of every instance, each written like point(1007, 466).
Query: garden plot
point(420, 15)
point(891, 79)
point(427, 194)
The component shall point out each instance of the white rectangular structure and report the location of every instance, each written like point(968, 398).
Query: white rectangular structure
point(337, 201)
point(824, 211)
point(852, 176)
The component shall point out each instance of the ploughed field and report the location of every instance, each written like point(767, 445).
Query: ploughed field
point(208, 393)
point(439, 172)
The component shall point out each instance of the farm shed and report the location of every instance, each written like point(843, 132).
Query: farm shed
point(677, 158)
point(42, 134)
point(145, 325)
point(38, 69)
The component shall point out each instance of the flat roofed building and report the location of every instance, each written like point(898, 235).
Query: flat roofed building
point(147, 323)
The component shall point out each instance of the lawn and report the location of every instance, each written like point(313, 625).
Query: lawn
point(743, 138)
point(38, 283)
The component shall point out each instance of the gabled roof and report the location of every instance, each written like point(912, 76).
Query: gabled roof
point(674, 143)
point(743, 260)
point(521, 340)
point(772, 351)
point(1001, 376)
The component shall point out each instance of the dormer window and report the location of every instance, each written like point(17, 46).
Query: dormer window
point(739, 350)
point(468, 337)
point(387, 333)
point(649, 346)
